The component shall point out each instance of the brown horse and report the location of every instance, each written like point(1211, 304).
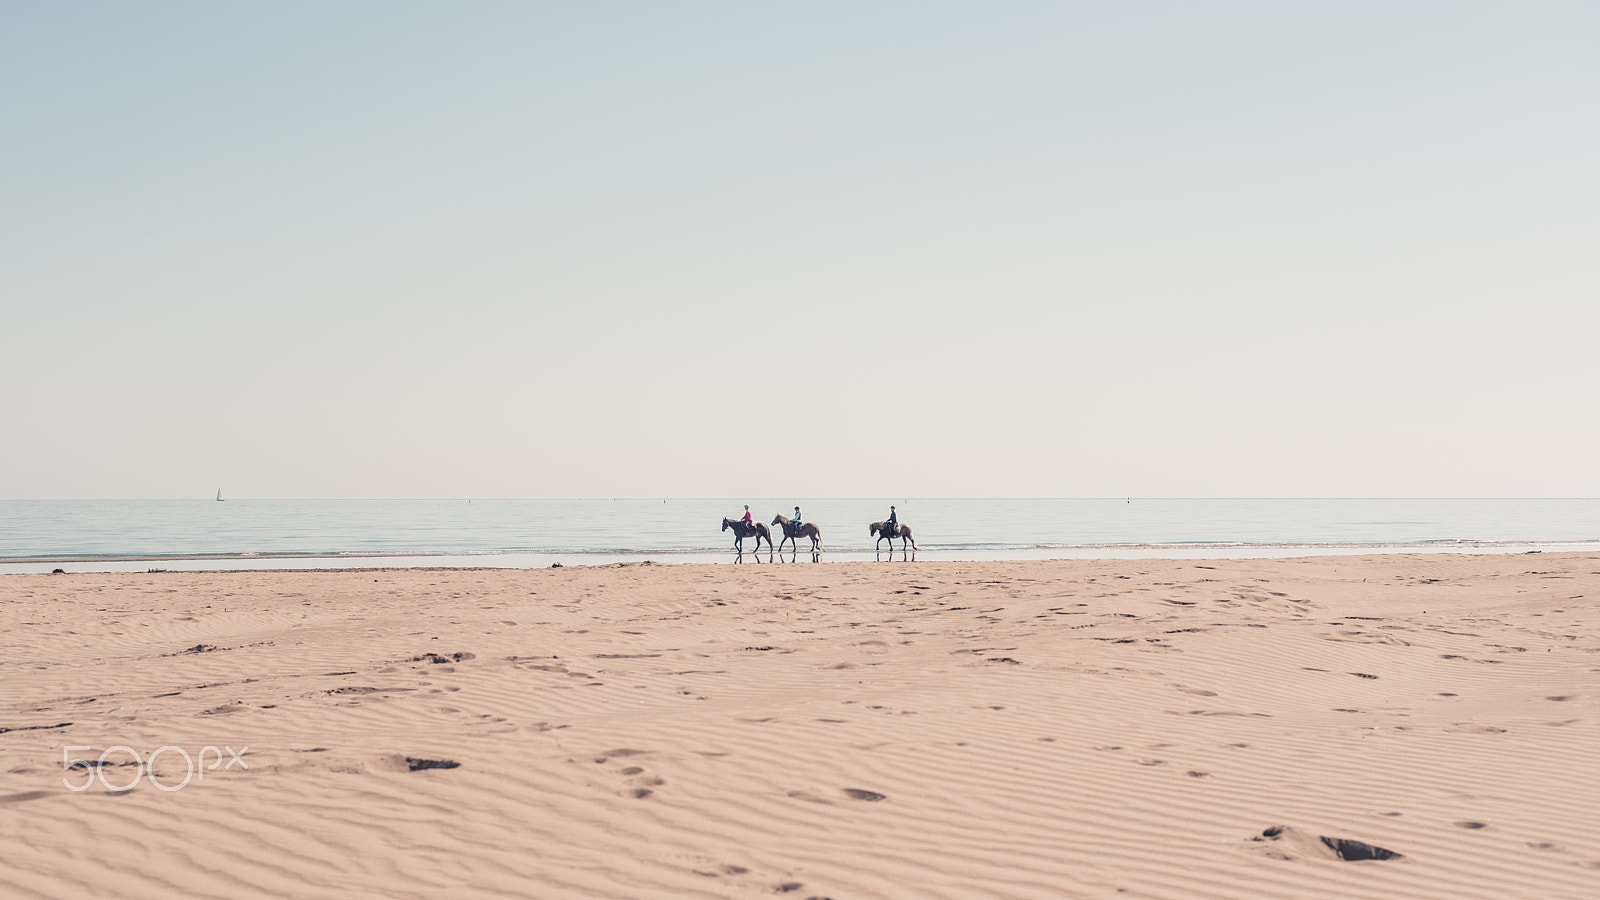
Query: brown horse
point(792, 531)
point(881, 530)
point(743, 529)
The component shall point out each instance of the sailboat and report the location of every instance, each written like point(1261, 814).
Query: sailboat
point(219, 495)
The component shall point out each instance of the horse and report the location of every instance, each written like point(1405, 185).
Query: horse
point(792, 531)
point(743, 529)
point(881, 530)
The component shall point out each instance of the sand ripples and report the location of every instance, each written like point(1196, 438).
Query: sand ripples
point(1073, 729)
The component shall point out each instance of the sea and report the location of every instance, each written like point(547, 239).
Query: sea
point(138, 535)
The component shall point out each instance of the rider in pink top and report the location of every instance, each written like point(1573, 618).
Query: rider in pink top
point(746, 513)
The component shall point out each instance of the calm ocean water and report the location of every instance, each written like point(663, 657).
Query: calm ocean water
point(112, 535)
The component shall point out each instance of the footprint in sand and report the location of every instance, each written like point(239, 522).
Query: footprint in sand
point(858, 794)
point(725, 870)
point(642, 786)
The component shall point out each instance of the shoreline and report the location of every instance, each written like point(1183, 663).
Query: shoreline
point(530, 533)
point(537, 559)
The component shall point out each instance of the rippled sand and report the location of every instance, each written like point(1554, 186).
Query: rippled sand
point(976, 730)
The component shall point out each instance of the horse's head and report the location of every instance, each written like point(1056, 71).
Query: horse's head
point(777, 518)
point(726, 523)
point(873, 528)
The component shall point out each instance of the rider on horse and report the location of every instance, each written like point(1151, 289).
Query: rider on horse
point(894, 522)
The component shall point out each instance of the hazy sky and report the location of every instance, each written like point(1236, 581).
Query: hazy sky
point(1178, 249)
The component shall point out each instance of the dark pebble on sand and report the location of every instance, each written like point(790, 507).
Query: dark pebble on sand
point(1350, 851)
point(420, 764)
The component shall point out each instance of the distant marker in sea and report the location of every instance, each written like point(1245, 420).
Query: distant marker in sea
point(219, 495)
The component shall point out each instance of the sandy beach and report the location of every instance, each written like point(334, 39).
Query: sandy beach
point(928, 730)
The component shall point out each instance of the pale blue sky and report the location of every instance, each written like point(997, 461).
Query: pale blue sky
point(675, 249)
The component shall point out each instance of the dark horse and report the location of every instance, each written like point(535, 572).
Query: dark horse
point(792, 531)
point(743, 529)
point(881, 530)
